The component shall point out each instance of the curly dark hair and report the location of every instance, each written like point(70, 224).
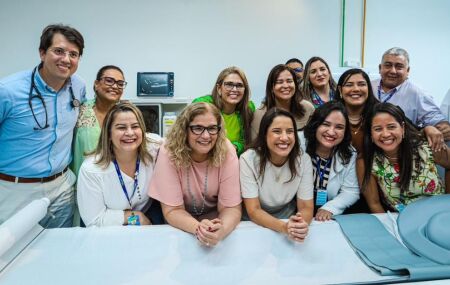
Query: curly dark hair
point(344, 149)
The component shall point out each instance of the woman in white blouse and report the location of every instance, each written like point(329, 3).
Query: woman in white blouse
point(276, 177)
point(328, 142)
point(112, 183)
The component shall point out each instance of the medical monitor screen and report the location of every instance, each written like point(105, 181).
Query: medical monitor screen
point(155, 84)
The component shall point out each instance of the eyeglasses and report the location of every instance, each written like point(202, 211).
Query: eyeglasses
point(230, 85)
point(198, 130)
point(62, 52)
point(111, 81)
point(298, 69)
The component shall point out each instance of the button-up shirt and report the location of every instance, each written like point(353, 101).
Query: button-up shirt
point(26, 150)
point(418, 106)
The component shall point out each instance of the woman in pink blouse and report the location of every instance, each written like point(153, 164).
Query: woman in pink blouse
point(196, 177)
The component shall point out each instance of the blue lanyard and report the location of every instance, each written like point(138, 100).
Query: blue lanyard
point(320, 171)
point(124, 189)
point(318, 100)
point(389, 96)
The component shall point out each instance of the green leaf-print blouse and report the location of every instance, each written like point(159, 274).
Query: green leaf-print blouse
point(425, 179)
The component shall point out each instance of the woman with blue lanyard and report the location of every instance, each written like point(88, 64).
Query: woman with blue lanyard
point(318, 85)
point(231, 95)
point(112, 183)
point(399, 166)
point(328, 142)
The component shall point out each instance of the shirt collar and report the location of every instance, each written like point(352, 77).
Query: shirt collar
point(40, 83)
point(396, 88)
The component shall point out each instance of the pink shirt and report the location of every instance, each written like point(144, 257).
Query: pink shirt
point(169, 185)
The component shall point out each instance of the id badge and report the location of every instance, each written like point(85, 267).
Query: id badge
point(133, 220)
point(321, 197)
point(400, 207)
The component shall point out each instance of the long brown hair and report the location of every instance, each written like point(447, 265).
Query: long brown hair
point(408, 150)
point(269, 101)
point(307, 88)
point(260, 144)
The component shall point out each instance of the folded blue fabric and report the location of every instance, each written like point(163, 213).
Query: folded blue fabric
point(425, 228)
point(384, 253)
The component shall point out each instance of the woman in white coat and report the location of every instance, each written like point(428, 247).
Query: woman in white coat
point(328, 142)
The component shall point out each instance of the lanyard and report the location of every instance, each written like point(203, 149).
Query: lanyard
point(124, 189)
point(388, 97)
point(318, 101)
point(321, 172)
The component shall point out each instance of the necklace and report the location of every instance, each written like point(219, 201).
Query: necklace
point(357, 130)
point(205, 191)
point(355, 123)
point(391, 159)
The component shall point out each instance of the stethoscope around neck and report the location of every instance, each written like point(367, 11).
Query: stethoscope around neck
point(75, 103)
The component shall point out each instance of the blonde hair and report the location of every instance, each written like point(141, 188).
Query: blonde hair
point(242, 107)
point(104, 151)
point(176, 141)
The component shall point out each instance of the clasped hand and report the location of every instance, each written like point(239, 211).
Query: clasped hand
point(297, 228)
point(209, 232)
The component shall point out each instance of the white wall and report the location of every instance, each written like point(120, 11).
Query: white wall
point(196, 39)
point(421, 27)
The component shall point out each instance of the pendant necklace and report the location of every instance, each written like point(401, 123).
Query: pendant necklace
point(358, 123)
point(203, 195)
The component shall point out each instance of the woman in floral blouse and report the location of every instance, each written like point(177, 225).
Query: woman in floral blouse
point(399, 166)
point(108, 87)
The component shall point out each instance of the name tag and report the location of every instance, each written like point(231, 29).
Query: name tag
point(321, 197)
point(133, 220)
point(400, 207)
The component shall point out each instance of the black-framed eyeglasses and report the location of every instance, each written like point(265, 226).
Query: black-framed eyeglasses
point(298, 69)
point(230, 85)
point(198, 130)
point(111, 81)
point(62, 52)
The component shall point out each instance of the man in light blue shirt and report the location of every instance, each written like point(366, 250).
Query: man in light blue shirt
point(38, 112)
point(395, 87)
